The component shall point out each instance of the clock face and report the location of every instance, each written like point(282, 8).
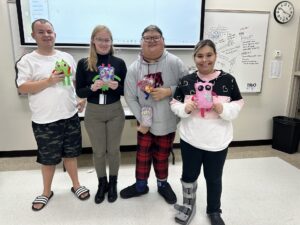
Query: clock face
point(283, 12)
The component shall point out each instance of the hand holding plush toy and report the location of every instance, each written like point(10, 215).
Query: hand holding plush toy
point(63, 67)
point(147, 84)
point(106, 74)
point(204, 96)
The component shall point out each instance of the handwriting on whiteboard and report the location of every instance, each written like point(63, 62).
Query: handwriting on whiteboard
point(234, 47)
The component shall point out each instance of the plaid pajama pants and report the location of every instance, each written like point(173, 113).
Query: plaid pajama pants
point(156, 149)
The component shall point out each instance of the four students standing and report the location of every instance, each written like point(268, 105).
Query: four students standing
point(149, 87)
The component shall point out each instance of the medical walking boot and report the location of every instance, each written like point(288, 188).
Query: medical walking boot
point(187, 211)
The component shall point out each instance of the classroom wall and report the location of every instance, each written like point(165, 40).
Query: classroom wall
point(254, 122)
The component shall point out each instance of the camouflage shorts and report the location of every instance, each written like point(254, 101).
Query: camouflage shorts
point(57, 140)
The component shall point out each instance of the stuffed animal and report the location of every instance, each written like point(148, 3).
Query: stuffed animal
point(63, 67)
point(204, 96)
point(106, 74)
point(146, 116)
point(147, 84)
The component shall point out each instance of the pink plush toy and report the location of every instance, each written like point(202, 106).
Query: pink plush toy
point(204, 96)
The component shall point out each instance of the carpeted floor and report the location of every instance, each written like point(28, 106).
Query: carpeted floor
point(257, 191)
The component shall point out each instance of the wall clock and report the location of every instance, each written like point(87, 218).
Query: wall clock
point(283, 12)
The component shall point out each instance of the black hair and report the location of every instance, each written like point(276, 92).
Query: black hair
point(152, 28)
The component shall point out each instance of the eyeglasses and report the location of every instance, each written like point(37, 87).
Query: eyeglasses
point(149, 38)
point(103, 41)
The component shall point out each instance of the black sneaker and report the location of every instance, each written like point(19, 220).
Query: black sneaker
point(131, 192)
point(216, 219)
point(167, 193)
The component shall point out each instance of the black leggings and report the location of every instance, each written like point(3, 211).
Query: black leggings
point(213, 163)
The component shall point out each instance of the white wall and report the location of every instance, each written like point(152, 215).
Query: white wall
point(254, 122)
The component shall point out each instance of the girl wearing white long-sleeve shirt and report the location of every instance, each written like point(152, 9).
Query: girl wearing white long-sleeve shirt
point(205, 136)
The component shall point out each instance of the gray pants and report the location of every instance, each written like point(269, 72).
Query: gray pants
point(104, 125)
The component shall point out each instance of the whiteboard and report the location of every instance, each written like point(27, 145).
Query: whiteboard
point(240, 38)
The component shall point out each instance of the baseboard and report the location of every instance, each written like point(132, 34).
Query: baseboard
point(128, 148)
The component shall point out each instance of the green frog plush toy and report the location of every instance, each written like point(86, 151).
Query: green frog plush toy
point(63, 68)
